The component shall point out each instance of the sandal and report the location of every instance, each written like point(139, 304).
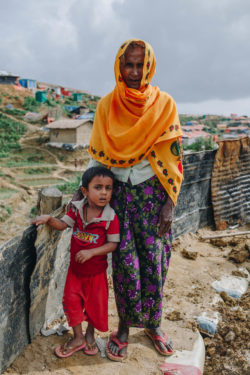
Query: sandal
point(60, 350)
point(116, 357)
point(165, 340)
point(91, 351)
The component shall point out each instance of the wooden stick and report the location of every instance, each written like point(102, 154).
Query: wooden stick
point(225, 235)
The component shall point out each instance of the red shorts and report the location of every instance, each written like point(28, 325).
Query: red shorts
point(86, 298)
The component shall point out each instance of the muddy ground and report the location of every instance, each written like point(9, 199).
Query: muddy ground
point(187, 293)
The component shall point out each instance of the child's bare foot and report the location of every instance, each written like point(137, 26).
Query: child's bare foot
point(70, 347)
point(90, 348)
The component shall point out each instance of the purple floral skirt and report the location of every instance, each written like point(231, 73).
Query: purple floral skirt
point(141, 261)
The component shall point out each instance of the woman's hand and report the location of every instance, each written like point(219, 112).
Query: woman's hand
point(166, 217)
point(83, 255)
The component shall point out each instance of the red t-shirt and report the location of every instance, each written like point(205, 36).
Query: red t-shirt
point(85, 236)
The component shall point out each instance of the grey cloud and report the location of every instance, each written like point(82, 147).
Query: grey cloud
point(201, 46)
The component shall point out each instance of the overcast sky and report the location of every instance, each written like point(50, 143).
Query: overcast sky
point(202, 47)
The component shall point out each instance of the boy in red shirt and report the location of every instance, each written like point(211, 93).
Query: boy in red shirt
point(95, 234)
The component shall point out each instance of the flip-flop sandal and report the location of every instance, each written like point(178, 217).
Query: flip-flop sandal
point(92, 351)
point(116, 357)
point(165, 340)
point(59, 351)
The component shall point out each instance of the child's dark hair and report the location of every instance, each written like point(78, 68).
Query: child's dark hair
point(90, 173)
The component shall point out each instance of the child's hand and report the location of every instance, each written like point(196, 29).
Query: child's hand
point(83, 255)
point(43, 219)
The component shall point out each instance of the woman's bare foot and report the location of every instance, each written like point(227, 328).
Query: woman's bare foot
point(165, 345)
point(122, 336)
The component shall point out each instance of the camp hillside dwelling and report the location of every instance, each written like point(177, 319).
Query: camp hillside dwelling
point(7, 78)
point(28, 83)
point(76, 132)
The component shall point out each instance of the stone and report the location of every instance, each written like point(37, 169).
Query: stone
point(239, 273)
point(189, 254)
point(247, 245)
point(17, 261)
point(219, 242)
point(174, 315)
point(230, 336)
point(239, 255)
point(227, 299)
point(211, 351)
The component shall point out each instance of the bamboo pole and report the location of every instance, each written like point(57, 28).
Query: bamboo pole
point(225, 235)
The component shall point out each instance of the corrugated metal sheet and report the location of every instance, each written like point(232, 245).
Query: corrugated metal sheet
point(194, 206)
point(231, 183)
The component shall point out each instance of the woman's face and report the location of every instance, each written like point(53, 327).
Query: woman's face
point(131, 67)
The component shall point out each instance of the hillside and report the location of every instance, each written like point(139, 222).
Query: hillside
point(26, 164)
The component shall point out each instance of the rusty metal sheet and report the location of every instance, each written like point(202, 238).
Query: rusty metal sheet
point(231, 183)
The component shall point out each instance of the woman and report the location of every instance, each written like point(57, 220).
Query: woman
point(136, 133)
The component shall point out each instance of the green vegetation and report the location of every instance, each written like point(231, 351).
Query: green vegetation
point(15, 112)
point(33, 212)
point(5, 213)
point(40, 170)
point(30, 104)
point(0, 100)
point(201, 144)
point(70, 187)
point(51, 102)
point(10, 132)
point(185, 118)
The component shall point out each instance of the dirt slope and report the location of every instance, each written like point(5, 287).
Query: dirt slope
point(187, 293)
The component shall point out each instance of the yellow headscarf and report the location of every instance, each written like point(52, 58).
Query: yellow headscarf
point(133, 124)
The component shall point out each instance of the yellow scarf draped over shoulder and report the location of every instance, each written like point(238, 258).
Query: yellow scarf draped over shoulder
point(131, 125)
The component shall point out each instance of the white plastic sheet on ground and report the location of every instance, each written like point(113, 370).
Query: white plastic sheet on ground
point(57, 328)
point(232, 285)
point(186, 362)
point(208, 322)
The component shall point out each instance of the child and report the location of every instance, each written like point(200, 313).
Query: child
point(95, 234)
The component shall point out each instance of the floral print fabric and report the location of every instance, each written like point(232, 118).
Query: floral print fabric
point(141, 261)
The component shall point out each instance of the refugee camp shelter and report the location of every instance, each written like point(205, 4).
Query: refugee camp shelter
point(70, 131)
point(7, 78)
point(28, 83)
point(77, 96)
point(88, 115)
point(41, 96)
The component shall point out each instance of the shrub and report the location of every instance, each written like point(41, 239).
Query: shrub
point(10, 132)
point(30, 104)
point(15, 112)
point(201, 144)
point(33, 212)
point(5, 213)
point(38, 170)
point(70, 187)
point(50, 103)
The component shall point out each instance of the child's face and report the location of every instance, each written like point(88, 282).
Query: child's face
point(99, 191)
